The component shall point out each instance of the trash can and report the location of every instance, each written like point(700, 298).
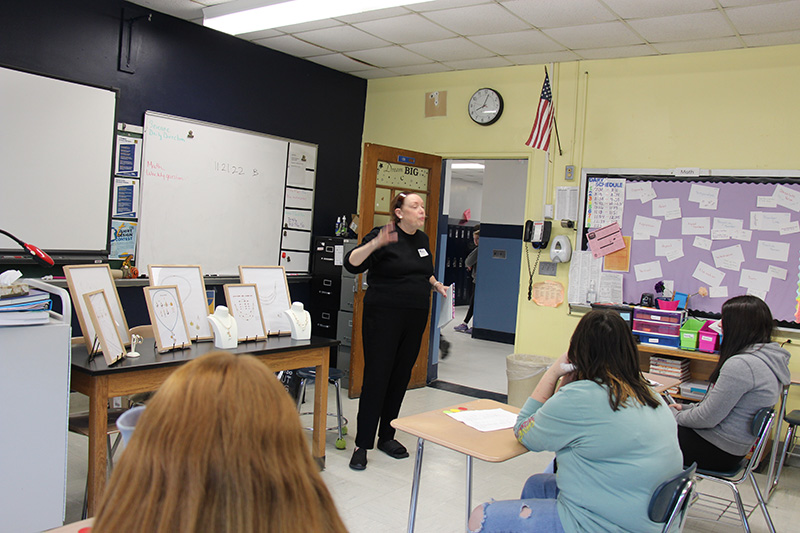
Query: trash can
point(524, 372)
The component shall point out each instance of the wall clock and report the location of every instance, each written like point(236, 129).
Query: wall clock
point(485, 106)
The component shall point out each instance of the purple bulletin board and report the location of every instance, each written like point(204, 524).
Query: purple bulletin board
point(737, 201)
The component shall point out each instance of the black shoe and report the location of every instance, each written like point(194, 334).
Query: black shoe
point(392, 448)
point(359, 459)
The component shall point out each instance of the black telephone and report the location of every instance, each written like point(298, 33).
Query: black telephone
point(537, 233)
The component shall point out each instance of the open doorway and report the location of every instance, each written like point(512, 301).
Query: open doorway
point(487, 195)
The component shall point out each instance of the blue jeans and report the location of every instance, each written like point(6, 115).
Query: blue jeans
point(535, 511)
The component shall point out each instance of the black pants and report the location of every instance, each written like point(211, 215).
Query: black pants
point(698, 450)
point(471, 305)
point(391, 339)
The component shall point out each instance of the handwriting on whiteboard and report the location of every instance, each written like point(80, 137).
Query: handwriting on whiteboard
point(157, 171)
point(297, 219)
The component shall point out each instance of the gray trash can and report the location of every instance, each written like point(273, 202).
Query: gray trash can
point(524, 372)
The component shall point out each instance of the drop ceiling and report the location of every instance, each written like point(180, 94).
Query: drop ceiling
point(449, 35)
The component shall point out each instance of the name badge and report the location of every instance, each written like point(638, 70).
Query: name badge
point(423, 252)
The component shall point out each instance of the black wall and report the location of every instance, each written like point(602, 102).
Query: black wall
point(184, 69)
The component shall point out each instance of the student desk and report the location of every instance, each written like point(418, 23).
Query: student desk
point(146, 373)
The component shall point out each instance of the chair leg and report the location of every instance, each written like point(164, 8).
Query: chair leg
point(301, 391)
point(740, 506)
point(338, 407)
point(782, 459)
point(761, 501)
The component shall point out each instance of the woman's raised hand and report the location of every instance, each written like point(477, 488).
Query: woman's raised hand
point(387, 235)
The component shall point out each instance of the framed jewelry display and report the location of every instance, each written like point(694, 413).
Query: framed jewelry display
point(245, 306)
point(83, 279)
point(166, 314)
point(273, 292)
point(192, 288)
point(99, 310)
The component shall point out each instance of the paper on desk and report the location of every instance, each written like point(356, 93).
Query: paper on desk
point(486, 419)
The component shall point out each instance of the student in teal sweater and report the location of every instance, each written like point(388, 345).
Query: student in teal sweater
point(614, 438)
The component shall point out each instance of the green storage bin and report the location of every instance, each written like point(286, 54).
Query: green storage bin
point(689, 331)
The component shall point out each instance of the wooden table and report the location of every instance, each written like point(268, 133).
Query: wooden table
point(100, 382)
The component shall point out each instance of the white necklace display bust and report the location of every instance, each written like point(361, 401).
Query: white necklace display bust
point(300, 321)
point(224, 326)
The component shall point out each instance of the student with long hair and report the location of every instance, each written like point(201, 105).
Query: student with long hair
point(750, 374)
point(614, 438)
point(218, 448)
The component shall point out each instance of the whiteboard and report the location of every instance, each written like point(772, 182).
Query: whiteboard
point(210, 195)
point(56, 148)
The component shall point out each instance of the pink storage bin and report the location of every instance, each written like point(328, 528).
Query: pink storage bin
point(707, 339)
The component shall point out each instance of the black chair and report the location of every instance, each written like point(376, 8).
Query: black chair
point(761, 426)
point(672, 499)
point(334, 378)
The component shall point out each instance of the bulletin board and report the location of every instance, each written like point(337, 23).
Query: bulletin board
point(731, 232)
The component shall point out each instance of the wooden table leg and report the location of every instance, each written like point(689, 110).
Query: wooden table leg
point(98, 426)
point(320, 410)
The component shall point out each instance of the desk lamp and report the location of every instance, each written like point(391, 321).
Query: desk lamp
point(37, 253)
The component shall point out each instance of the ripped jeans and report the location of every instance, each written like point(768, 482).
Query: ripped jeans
point(534, 511)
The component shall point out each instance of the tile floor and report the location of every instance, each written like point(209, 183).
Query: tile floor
point(377, 499)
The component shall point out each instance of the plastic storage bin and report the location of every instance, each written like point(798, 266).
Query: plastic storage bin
point(659, 315)
point(660, 340)
point(689, 333)
point(707, 339)
point(658, 328)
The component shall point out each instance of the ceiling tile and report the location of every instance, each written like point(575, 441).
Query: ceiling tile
point(739, 3)
point(185, 9)
point(374, 73)
point(602, 35)
point(488, 62)
point(446, 4)
point(766, 18)
point(705, 45)
point(406, 29)
point(616, 52)
point(261, 34)
point(636, 9)
point(342, 38)
point(552, 14)
point(390, 56)
point(449, 49)
point(518, 42)
point(293, 46)
point(477, 20)
point(339, 62)
point(772, 39)
point(374, 15)
point(309, 26)
point(547, 57)
point(683, 27)
point(429, 68)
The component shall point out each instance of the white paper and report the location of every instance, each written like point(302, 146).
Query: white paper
point(583, 269)
point(645, 271)
point(756, 292)
point(566, 203)
point(777, 272)
point(610, 288)
point(609, 202)
point(486, 419)
point(674, 254)
point(664, 247)
point(720, 234)
point(730, 255)
point(752, 279)
point(742, 235)
point(727, 223)
point(646, 226)
point(447, 309)
point(704, 195)
point(766, 201)
point(718, 292)
point(786, 197)
point(794, 227)
point(662, 206)
point(708, 274)
point(702, 243)
point(760, 220)
point(773, 251)
point(696, 226)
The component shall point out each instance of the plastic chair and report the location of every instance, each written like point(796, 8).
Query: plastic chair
point(793, 419)
point(334, 378)
point(672, 499)
point(761, 425)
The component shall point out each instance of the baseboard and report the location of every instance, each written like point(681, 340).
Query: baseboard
point(492, 335)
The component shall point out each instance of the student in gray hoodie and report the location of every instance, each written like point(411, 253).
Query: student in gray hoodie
point(715, 433)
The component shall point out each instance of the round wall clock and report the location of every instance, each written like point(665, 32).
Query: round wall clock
point(485, 106)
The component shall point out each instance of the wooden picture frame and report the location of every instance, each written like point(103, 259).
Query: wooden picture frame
point(165, 308)
point(99, 310)
point(83, 279)
point(273, 292)
point(192, 288)
point(244, 305)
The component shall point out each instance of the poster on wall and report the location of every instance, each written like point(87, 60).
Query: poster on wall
point(126, 198)
point(129, 156)
point(123, 239)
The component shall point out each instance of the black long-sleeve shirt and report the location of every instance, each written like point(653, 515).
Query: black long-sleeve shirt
point(399, 273)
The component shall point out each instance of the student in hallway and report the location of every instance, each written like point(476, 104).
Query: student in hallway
point(471, 263)
point(751, 372)
point(614, 438)
point(395, 314)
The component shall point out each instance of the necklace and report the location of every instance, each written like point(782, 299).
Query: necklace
point(226, 326)
point(302, 325)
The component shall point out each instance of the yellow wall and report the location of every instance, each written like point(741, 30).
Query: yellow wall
point(734, 109)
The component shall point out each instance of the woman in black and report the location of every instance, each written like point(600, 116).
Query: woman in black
point(396, 309)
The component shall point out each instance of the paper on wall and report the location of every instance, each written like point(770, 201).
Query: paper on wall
point(762, 221)
point(729, 258)
point(646, 271)
point(766, 201)
point(702, 243)
point(754, 280)
point(704, 195)
point(664, 247)
point(708, 274)
point(755, 292)
point(773, 251)
point(786, 197)
point(641, 190)
point(718, 292)
point(606, 201)
point(663, 207)
point(794, 227)
point(605, 240)
point(610, 289)
point(566, 203)
point(583, 269)
point(742, 235)
point(645, 227)
point(696, 226)
point(777, 272)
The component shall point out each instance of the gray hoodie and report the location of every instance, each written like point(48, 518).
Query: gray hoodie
point(747, 382)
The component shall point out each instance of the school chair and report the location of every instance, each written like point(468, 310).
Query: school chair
point(335, 376)
point(672, 499)
point(761, 426)
point(793, 419)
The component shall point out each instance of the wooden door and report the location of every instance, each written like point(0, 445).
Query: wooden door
point(387, 171)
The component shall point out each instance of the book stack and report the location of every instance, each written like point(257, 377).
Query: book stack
point(674, 368)
point(30, 309)
point(694, 389)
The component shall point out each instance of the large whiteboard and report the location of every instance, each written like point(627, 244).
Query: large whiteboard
point(56, 150)
point(210, 195)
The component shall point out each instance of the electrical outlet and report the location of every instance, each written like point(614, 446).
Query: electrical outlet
point(547, 268)
point(569, 172)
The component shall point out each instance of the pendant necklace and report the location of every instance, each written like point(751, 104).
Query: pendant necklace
point(301, 325)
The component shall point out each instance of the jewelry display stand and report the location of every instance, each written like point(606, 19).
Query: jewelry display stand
point(224, 326)
point(299, 321)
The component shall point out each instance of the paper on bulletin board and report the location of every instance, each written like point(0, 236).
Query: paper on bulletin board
point(619, 261)
point(123, 239)
point(129, 156)
point(605, 240)
point(126, 198)
point(605, 201)
point(548, 293)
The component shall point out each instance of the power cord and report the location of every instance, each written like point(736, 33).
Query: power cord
point(531, 272)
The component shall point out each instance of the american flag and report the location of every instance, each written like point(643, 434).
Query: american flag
point(540, 134)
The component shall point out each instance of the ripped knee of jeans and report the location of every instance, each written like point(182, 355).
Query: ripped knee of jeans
point(477, 518)
point(525, 512)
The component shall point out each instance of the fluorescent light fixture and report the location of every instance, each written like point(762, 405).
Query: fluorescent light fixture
point(467, 166)
point(246, 16)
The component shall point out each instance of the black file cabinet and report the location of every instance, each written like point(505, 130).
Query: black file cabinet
point(332, 291)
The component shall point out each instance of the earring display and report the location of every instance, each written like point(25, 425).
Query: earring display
point(110, 341)
point(167, 316)
point(245, 306)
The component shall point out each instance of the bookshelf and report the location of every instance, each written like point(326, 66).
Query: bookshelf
point(701, 364)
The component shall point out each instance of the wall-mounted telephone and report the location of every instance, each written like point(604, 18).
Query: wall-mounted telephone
point(537, 233)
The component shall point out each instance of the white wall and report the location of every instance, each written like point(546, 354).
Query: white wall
point(505, 183)
point(465, 195)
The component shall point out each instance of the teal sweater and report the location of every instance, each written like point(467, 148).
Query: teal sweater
point(609, 462)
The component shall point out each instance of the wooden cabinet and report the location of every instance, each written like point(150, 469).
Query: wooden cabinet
point(701, 364)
